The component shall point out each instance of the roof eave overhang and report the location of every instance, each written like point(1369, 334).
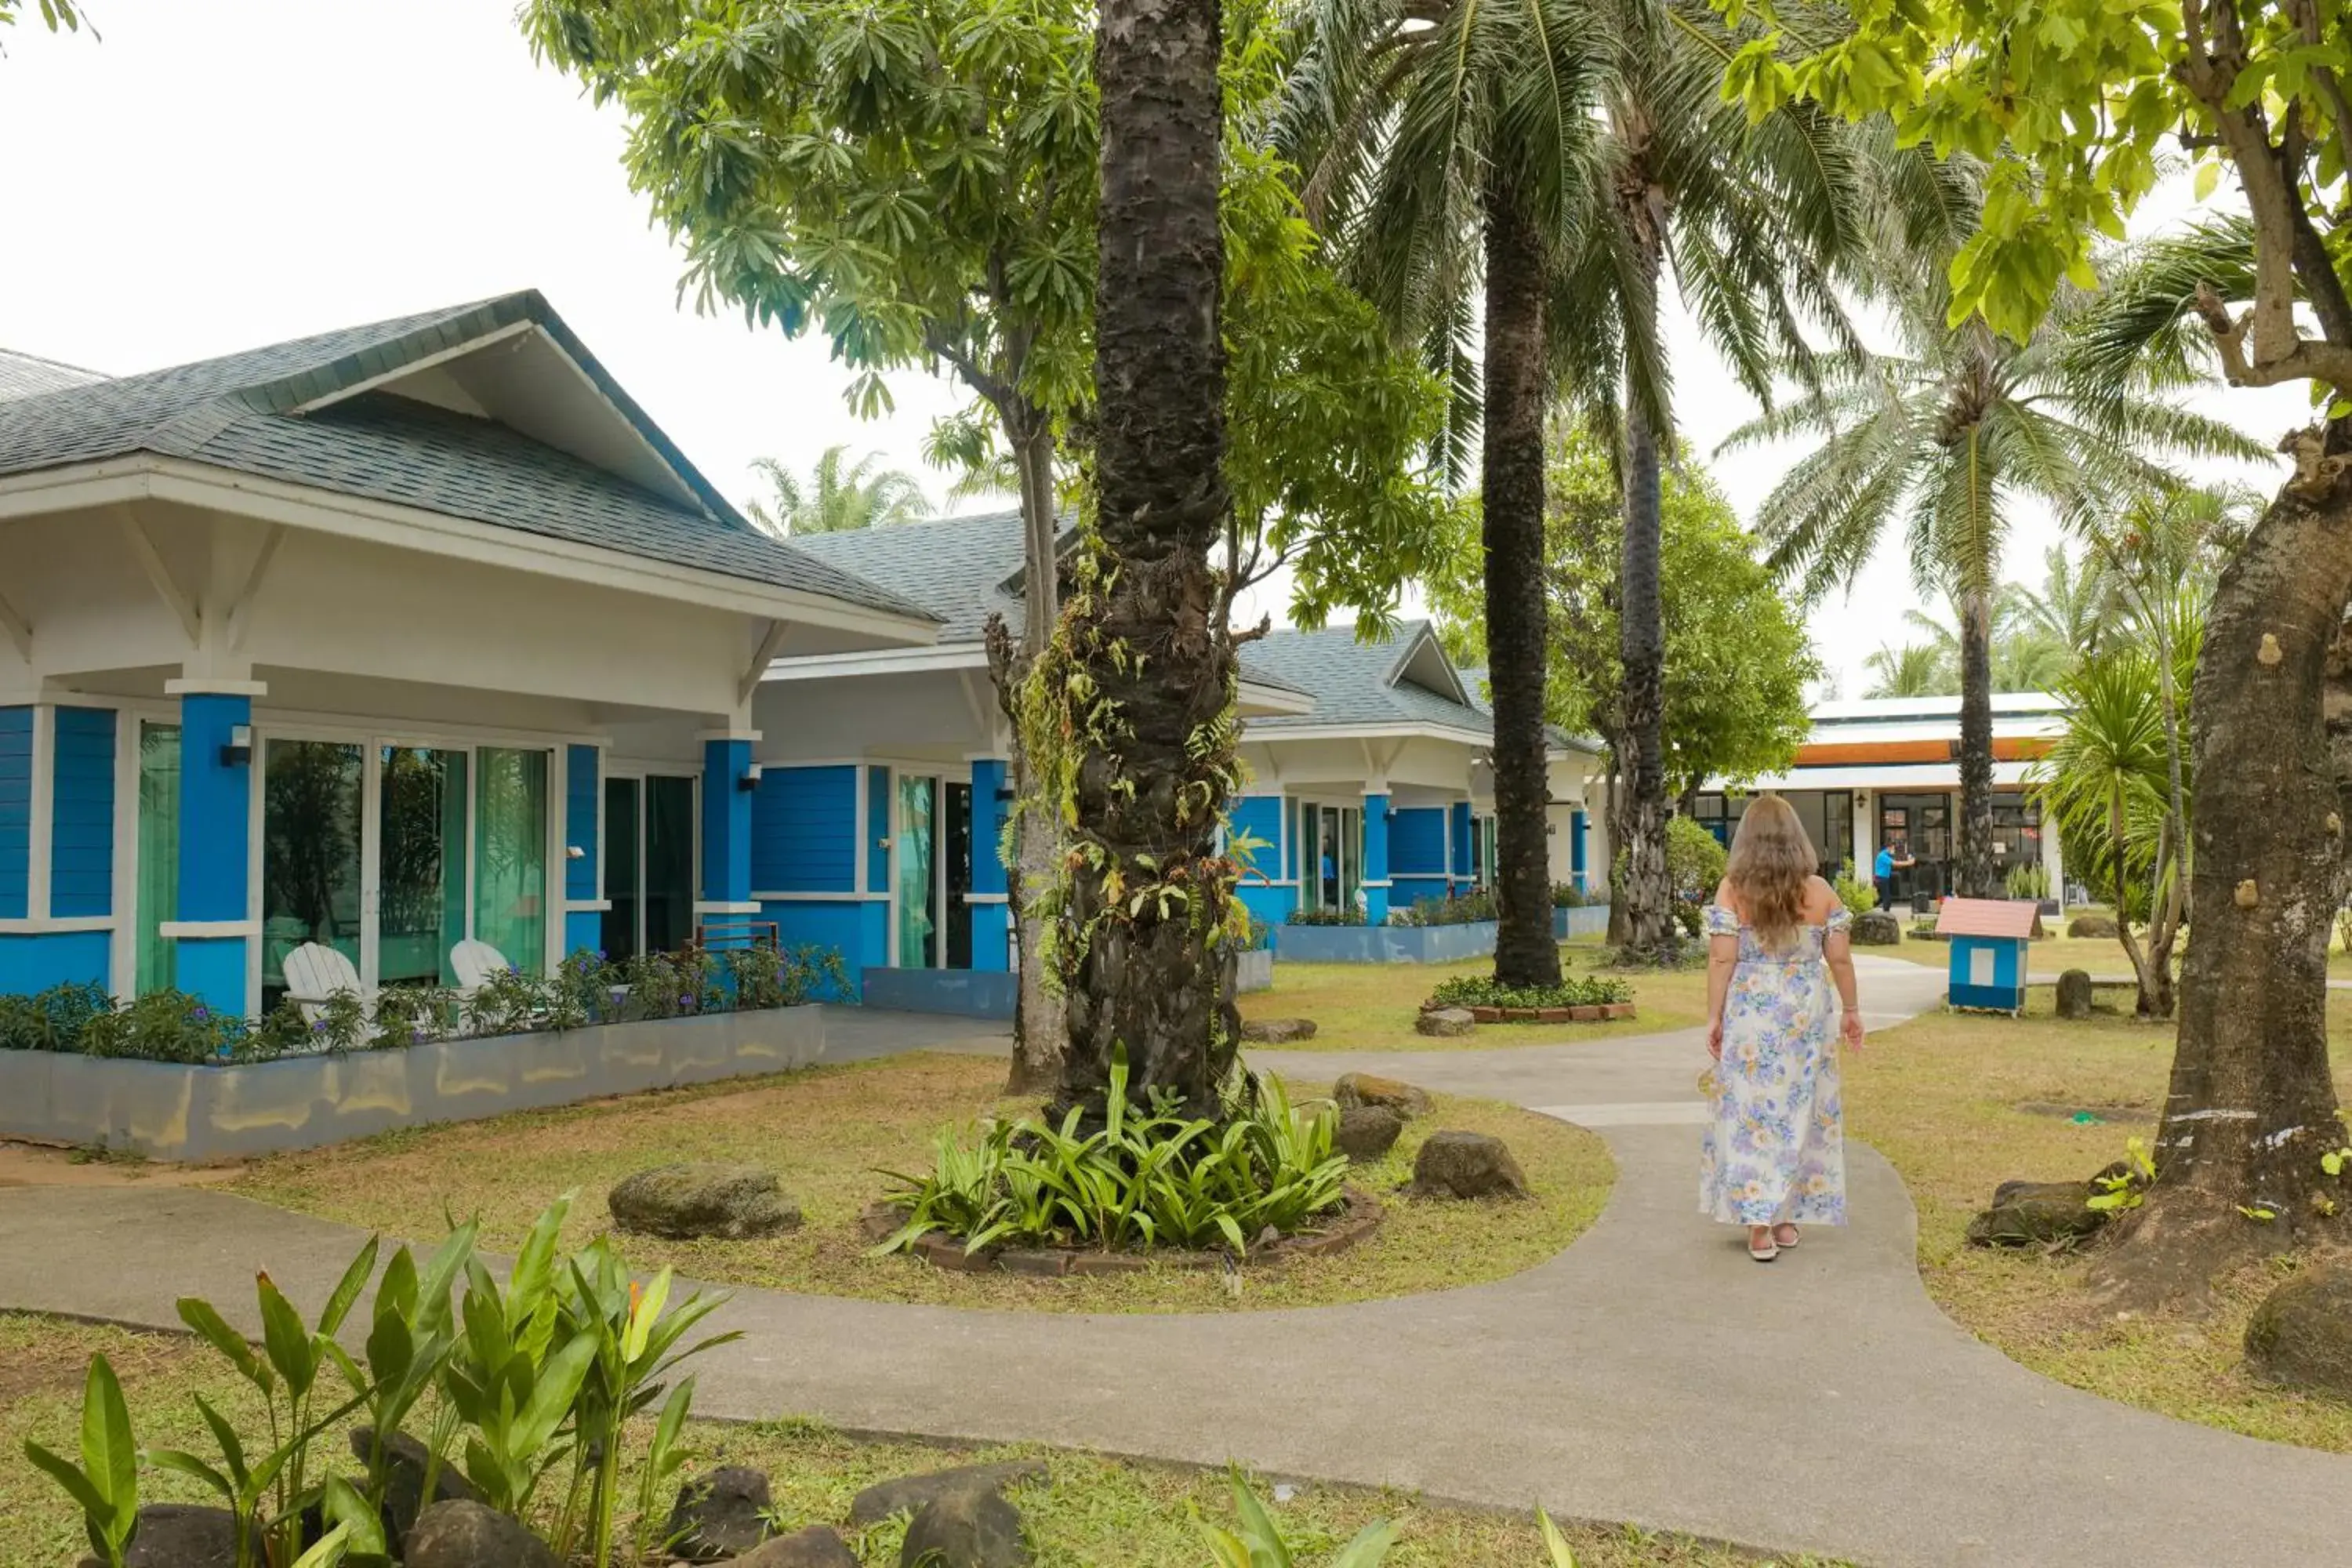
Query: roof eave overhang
point(960, 655)
point(151, 476)
point(1406, 730)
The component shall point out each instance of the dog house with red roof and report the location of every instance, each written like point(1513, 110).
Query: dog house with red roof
point(1987, 938)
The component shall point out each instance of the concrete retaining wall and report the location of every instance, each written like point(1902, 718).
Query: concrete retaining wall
point(1254, 970)
point(1591, 919)
point(167, 1111)
point(1384, 945)
point(964, 992)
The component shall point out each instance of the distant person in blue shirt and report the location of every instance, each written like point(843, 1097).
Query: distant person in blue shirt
point(1881, 870)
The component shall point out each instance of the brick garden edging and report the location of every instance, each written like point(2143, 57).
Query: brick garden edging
point(1591, 1012)
point(1361, 1217)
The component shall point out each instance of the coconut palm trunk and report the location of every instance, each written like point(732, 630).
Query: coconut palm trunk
point(2251, 1106)
point(1151, 673)
point(1977, 876)
point(1649, 924)
point(1517, 625)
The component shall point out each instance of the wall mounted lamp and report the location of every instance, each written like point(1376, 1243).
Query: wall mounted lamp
point(237, 750)
point(750, 777)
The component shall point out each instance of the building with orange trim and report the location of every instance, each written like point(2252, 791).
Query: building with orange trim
point(1885, 771)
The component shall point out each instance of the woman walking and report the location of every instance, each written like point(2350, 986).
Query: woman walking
point(1774, 1154)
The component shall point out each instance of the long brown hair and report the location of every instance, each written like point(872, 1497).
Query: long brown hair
point(1771, 862)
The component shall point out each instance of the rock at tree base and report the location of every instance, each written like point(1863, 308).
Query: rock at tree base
point(1447, 1023)
point(816, 1547)
point(687, 1203)
point(2074, 993)
point(971, 1529)
point(909, 1493)
point(474, 1535)
point(180, 1535)
point(1277, 1031)
point(403, 1484)
point(2024, 1214)
point(722, 1515)
point(1466, 1165)
point(2301, 1335)
point(1358, 1088)
point(2091, 925)
point(1368, 1131)
point(1875, 928)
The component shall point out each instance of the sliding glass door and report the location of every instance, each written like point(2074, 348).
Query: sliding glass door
point(648, 865)
point(158, 894)
point(919, 891)
point(1331, 855)
point(510, 855)
point(311, 854)
point(421, 860)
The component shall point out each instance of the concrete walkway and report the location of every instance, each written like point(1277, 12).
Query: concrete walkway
point(1650, 1374)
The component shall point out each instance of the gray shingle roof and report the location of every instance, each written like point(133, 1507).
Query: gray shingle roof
point(1354, 683)
point(956, 568)
point(23, 375)
point(1474, 682)
point(235, 412)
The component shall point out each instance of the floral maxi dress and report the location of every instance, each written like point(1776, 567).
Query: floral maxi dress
point(1774, 1152)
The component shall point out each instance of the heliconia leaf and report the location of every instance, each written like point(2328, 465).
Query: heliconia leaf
point(201, 1317)
point(347, 1289)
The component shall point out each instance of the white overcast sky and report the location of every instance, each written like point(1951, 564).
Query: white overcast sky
point(215, 175)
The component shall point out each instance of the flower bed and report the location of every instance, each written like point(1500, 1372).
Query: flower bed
point(1578, 999)
point(1356, 1220)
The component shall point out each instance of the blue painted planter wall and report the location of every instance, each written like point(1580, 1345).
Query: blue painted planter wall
point(1384, 944)
point(964, 992)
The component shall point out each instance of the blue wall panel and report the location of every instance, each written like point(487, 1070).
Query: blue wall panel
point(856, 929)
point(1417, 842)
point(31, 963)
point(1260, 816)
point(580, 793)
point(988, 814)
point(804, 830)
point(215, 819)
point(81, 813)
point(1376, 858)
point(15, 809)
point(583, 928)
point(1267, 906)
point(726, 822)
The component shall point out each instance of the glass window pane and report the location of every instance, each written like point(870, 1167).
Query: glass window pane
point(309, 854)
point(159, 853)
point(619, 930)
point(918, 886)
point(669, 863)
point(420, 865)
point(510, 855)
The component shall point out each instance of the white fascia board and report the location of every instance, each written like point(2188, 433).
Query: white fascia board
point(1363, 731)
point(879, 661)
point(205, 487)
point(1270, 700)
point(1897, 778)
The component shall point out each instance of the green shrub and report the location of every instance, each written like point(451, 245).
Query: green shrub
point(1343, 917)
point(52, 1020)
point(2029, 882)
point(1572, 896)
point(1573, 991)
point(164, 1027)
point(1456, 909)
point(1694, 860)
point(1856, 894)
point(1144, 1178)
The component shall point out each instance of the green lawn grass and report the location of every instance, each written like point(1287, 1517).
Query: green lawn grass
point(828, 1132)
point(1961, 1103)
point(1372, 1007)
point(1090, 1512)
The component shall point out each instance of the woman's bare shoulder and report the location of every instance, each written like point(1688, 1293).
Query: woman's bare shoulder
point(1821, 901)
point(1723, 898)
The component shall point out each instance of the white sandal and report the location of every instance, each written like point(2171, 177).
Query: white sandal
point(1791, 1241)
point(1766, 1253)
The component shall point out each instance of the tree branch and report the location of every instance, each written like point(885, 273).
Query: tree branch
point(2304, 360)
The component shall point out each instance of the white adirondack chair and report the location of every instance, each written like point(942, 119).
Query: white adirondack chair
point(314, 973)
point(474, 961)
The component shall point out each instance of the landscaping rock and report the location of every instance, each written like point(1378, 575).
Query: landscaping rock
point(1277, 1031)
point(404, 1490)
point(2024, 1214)
point(1466, 1165)
point(687, 1202)
point(1875, 928)
point(973, 1529)
point(474, 1535)
point(1445, 1022)
point(1368, 1131)
point(180, 1535)
point(908, 1494)
point(2302, 1333)
point(1363, 1088)
point(2091, 925)
point(720, 1515)
point(2074, 993)
point(816, 1547)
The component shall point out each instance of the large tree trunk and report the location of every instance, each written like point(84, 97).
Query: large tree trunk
point(1615, 818)
point(2172, 901)
point(2251, 1106)
point(1148, 894)
point(1040, 1030)
point(1975, 876)
point(1641, 648)
point(1511, 485)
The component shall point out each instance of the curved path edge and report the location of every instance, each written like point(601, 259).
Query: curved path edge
point(1650, 1374)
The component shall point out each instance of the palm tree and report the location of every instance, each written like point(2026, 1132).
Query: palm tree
point(2103, 781)
point(1914, 670)
point(1949, 433)
point(2024, 657)
point(1148, 680)
point(838, 495)
point(1445, 142)
point(2071, 608)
